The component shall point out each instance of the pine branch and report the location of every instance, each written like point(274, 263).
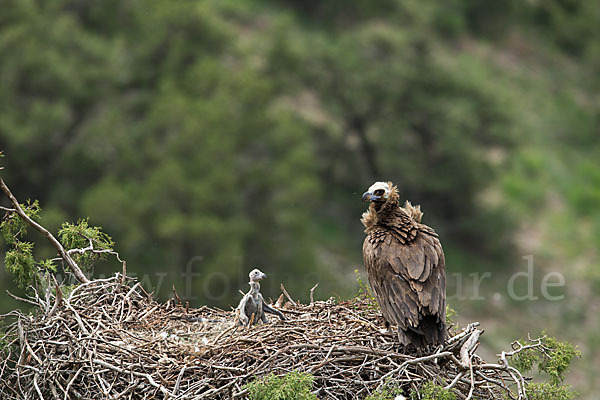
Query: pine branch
point(63, 253)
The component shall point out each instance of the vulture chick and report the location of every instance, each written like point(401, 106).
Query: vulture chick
point(406, 268)
point(252, 307)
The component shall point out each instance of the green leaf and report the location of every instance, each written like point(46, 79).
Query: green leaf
point(14, 227)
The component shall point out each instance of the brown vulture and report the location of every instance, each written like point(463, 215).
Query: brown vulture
point(406, 268)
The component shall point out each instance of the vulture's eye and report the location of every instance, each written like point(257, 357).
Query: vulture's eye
point(379, 192)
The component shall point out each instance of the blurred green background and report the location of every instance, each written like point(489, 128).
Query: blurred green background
point(212, 137)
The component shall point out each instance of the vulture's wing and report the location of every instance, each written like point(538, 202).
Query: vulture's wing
point(249, 307)
point(408, 279)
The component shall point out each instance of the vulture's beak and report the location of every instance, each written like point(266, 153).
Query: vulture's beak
point(262, 276)
point(368, 196)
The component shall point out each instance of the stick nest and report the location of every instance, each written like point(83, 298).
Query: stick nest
point(109, 339)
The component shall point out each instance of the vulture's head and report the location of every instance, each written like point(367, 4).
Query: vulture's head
point(380, 192)
point(256, 275)
point(384, 198)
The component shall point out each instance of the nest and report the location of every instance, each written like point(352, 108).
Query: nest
point(109, 339)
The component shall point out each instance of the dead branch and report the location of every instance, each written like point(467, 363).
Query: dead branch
point(287, 295)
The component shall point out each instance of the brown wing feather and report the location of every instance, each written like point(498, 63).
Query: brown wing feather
point(408, 279)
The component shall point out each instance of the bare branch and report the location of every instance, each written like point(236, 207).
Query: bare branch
point(287, 295)
point(91, 249)
point(58, 298)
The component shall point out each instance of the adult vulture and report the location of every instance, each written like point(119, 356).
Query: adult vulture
point(406, 268)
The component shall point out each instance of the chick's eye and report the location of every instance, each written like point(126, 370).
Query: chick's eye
point(379, 192)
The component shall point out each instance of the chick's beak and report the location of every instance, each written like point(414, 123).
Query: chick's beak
point(263, 276)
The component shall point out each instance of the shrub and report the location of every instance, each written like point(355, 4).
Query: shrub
point(292, 386)
point(554, 360)
point(428, 391)
point(431, 391)
point(546, 391)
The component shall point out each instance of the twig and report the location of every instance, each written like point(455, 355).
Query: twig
point(178, 382)
point(312, 290)
point(176, 295)
point(37, 388)
point(146, 376)
point(58, 298)
point(287, 295)
point(91, 249)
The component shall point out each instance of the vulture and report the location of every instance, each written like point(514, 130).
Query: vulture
point(405, 266)
point(252, 307)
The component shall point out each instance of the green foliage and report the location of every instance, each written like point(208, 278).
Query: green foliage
point(526, 359)
point(394, 110)
point(47, 265)
point(557, 362)
point(549, 391)
point(177, 141)
point(19, 260)
point(13, 227)
point(20, 264)
point(292, 386)
point(187, 139)
point(81, 235)
point(427, 391)
point(431, 391)
point(554, 360)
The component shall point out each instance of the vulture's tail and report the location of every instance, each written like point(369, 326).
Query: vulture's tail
point(429, 332)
